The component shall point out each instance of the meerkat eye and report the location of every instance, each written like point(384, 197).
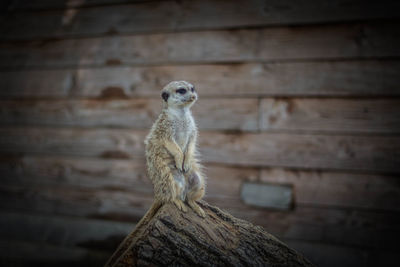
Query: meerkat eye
point(181, 91)
point(192, 89)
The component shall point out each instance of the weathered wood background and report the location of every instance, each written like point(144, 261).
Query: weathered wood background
point(297, 93)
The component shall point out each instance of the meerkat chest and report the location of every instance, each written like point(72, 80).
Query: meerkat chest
point(184, 127)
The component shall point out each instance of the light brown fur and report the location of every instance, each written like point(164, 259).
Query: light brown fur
point(171, 151)
point(172, 159)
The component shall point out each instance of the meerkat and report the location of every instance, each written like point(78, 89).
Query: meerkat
point(171, 153)
point(172, 159)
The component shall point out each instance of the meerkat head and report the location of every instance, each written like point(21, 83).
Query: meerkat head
point(179, 94)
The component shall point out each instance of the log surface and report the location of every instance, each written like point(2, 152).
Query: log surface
point(173, 238)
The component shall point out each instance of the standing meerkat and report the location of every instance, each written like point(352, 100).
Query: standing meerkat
point(172, 158)
point(171, 154)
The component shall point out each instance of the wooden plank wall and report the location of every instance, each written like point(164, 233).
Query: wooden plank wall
point(300, 93)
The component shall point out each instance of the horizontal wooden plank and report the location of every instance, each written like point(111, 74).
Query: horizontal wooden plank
point(158, 16)
point(311, 188)
point(289, 114)
point(333, 255)
point(136, 113)
point(365, 153)
point(337, 115)
point(125, 175)
point(350, 227)
point(328, 255)
point(54, 83)
point(104, 143)
point(109, 203)
point(269, 44)
point(333, 226)
point(303, 151)
point(20, 253)
point(18, 5)
point(338, 189)
point(358, 78)
point(63, 231)
point(347, 78)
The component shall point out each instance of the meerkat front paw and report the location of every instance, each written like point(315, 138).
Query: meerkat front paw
point(180, 205)
point(187, 164)
point(179, 163)
point(197, 208)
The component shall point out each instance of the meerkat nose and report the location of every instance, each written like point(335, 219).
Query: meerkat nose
point(193, 97)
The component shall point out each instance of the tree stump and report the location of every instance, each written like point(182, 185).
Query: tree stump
point(174, 238)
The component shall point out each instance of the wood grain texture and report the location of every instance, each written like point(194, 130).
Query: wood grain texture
point(22, 253)
point(156, 16)
point(311, 188)
point(302, 151)
point(359, 78)
point(355, 78)
point(103, 143)
point(346, 78)
point(367, 229)
point(172, 237)
point(34, 5)
point(276, 114)
point(331, 115)
point(297, 43)
point(136, 113)
point(221, 114)
point(77, 201)
point(63, 231)
point(124, 175)
point(329, 255)
point(361, 153)
point(350, 227)
point(338, 189)
point(224, 183)
point(54, 83)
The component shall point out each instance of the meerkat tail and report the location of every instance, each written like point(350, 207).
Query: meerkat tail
point(128, 240)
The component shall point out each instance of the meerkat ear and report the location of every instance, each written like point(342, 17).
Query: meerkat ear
point(165, 96)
